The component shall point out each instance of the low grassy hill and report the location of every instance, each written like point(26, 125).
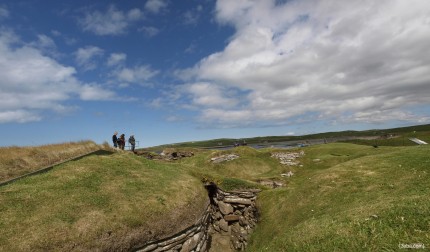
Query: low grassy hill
point(16, 161)
point(342, 197)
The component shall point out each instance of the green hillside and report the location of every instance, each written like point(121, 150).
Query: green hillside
point(342, 197)
point(400, 136)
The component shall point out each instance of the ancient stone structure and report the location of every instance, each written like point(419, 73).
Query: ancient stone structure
point(288, 158)
point(194, 238)
point(230, 216)
point(173, 154)
point(223, 158)
point(167, 154)
point(234, 215)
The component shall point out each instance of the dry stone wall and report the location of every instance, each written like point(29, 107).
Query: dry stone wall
point(230, 216)
point(234, 215)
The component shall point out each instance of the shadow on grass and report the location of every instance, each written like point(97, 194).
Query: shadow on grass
point(49, 167)
point(96, 153)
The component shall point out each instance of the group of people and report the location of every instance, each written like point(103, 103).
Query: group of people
point(119, 142)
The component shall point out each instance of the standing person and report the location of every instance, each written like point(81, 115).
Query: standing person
point(122, 140)
point(132, 142)
point(115, 139)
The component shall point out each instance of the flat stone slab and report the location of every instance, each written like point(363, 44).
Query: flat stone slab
point(238, 201)
point(231, 217)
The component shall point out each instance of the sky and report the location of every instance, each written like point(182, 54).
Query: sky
point(171, 71)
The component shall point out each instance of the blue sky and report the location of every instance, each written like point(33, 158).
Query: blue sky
point(172, 71)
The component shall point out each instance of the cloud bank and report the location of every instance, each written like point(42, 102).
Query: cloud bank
point(349, 61)
point(33, 84)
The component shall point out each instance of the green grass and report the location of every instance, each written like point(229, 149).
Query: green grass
point(360, 199)
point(102, 202)
point(17, 161)
point(343, 197)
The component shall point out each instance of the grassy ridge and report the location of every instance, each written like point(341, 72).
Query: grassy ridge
point(352, 198)
point(17, 161)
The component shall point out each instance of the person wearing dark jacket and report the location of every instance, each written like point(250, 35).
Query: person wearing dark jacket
point(132, 142)
point(121, 142)
point(115, 139)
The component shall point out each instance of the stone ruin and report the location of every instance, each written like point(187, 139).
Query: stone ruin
point(166, 154)
point(288, 158)
point(172, 154)
point(234, 215)
point(225, 225)
point(223, 158)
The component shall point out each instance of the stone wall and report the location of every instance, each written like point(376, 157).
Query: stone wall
point(234, 215)
point(228, 220)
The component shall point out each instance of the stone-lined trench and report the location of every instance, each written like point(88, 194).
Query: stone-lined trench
point(225, 225)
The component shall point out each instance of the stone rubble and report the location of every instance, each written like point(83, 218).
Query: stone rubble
point(223, 158)
point(167, 154)
point(288, 158)
point(172, 154)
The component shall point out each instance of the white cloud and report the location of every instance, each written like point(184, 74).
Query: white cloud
point(116, 59)
point(32, 84)
point(325, 58)
point(137, 75)
point(46, 45)
point(134, 14)
point(56, 33)
point(4, 13)
point(111, 22)
point(192, 16)
point(155, 6)
point(45, 42)
point(149, 31)
point(208, 95)
point(376, 117)
point(95, 92)
point(174, 118)
point(20, 116)
point(86, 57)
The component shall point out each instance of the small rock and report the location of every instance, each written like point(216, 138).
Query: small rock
point(217, 216)
point(224, 158)
point(288, 174)
point(223, 225)
point(243, 221)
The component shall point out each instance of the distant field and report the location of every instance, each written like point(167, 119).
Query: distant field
point(342, 197)
point(402, 135)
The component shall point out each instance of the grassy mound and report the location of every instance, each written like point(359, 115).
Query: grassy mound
point(106, 202)
point(342, 197)
point(17, 161)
